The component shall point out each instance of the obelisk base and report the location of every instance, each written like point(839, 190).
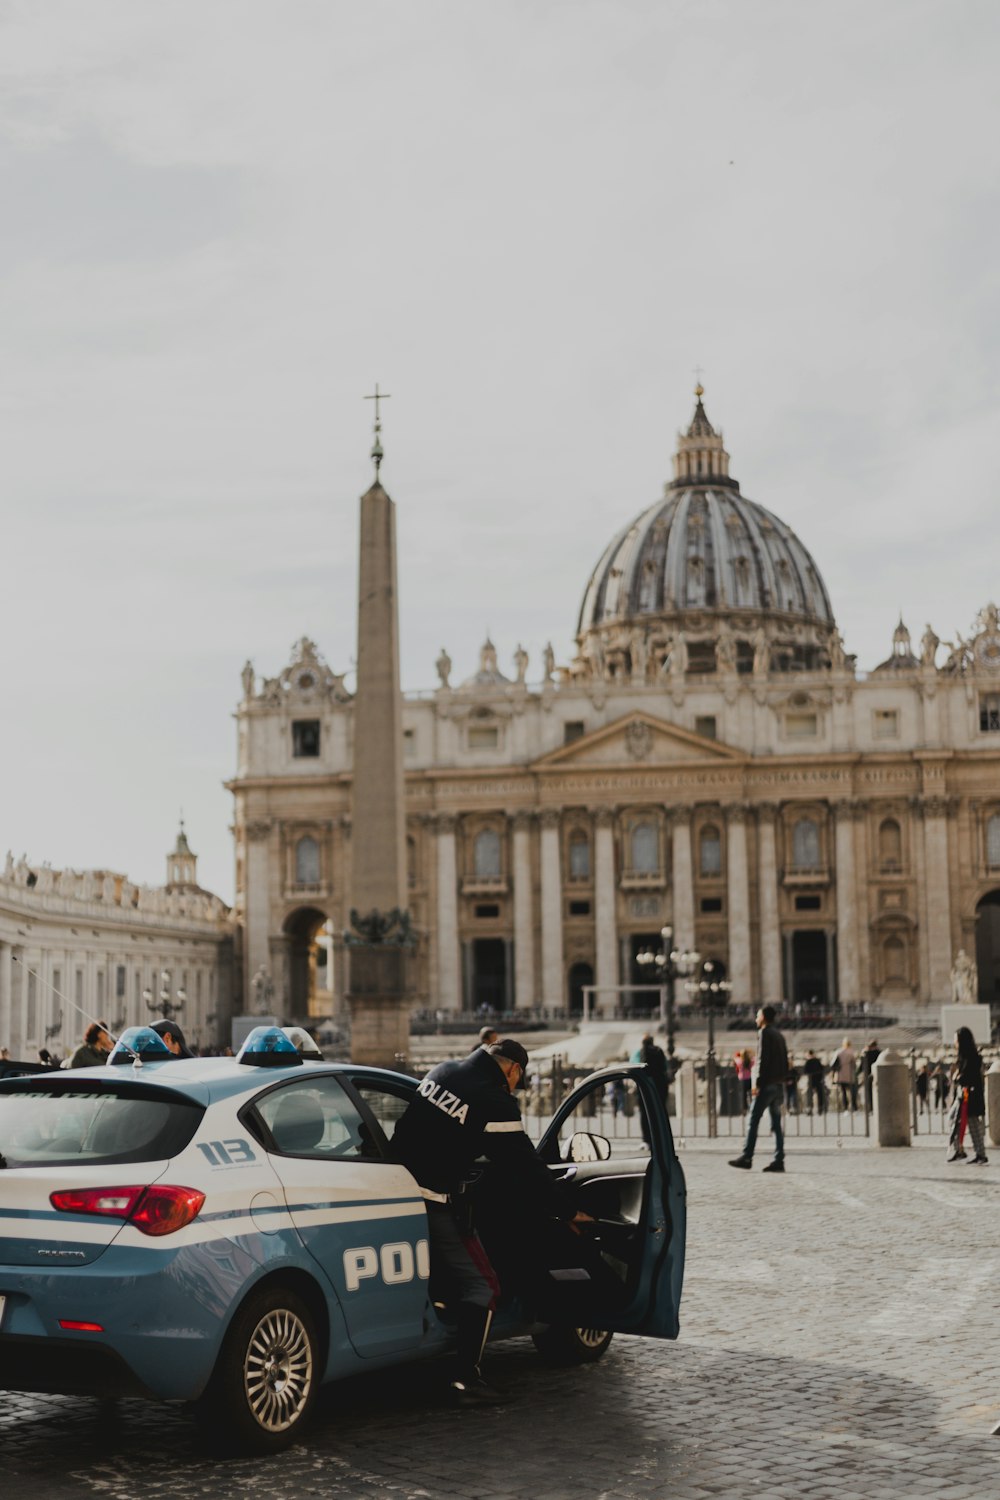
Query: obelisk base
point(379, 999)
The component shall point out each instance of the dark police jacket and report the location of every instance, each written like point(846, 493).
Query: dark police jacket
point(464, 1110)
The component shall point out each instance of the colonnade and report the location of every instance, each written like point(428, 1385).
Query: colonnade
point(541, 980)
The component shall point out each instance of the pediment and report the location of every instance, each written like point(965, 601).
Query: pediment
point(638, 739)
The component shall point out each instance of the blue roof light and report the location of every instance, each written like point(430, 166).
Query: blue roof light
point(140, 1042)
point(269, 1047)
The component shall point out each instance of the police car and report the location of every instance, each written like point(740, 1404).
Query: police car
point(232, 1232)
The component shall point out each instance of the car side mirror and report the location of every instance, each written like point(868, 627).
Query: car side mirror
point(583, 1146)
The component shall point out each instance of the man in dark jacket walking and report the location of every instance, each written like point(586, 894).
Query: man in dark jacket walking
point(769, 1088)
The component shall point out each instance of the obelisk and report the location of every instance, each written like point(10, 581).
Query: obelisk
point(379, 942)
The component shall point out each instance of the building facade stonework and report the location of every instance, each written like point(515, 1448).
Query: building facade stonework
point(711, 758)
point(92, 941)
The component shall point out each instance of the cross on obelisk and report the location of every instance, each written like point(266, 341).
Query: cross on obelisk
point(377, 453)
point(698, 373)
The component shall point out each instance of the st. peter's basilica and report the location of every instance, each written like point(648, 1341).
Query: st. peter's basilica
point(711, 759)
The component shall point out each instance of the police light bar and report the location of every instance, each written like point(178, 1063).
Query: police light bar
point(140, 1043)
point(269, 1047)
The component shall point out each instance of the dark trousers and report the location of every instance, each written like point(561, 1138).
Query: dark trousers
point(769, 1097)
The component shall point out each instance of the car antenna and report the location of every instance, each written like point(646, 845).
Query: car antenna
point(136, 1059)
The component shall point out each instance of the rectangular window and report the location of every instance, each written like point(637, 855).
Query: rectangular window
point(101, 977)
point(711, 903)
point(305, 738)
point(138, 989)
point(989, 713)
point(801, 726)
point(573, 731)
point(120, 982)
point(579, 908)
point(808, 903)
point(78, 987)
point(885, 723)
point(57, 982)
point(488, 909)
point(486, 738)
point(705, 725)
point(409, 743)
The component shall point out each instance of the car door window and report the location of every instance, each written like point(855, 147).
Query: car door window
point(314, 1117)
point(386, 1104)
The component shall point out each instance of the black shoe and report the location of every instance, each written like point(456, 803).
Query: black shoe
point(977, 1161)
point(774, 1166)
point(476, 1393)
point(956, 1156)
point(742, 1161)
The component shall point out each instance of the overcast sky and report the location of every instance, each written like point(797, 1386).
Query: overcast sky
point(529, 221)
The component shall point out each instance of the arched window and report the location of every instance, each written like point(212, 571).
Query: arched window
point(894, 953)
point(579, 855)
point(993, 842)
point(890, 845)
point(711, 851)
point(307, 861)
point(486, 854)
point(805, 845)
point(645, 849)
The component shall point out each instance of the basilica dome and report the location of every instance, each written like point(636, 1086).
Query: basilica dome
point(705, 563)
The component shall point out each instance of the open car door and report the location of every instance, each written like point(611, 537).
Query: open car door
point(633, 1187)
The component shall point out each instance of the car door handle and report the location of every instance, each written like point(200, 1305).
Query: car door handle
point(566, 1175)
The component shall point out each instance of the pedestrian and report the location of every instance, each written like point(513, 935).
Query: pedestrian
point(792, 1087)
point(654, 1058)
point(845, 1072)
point(616, 1096)
point(923, 1087)
point(95, 1047)
point(771, 1074)
point(970, 1099)
point(173, 1036)
point(869, 1058)
point(743, 1062)
point(816, 1089)
point(462, 1111)
point(941, 1084)
point(487, 1036)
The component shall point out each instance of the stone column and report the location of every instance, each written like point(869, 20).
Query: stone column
point(847, 895)
point(524, 914)
point(935, 811)
point(14, 1035)
point(7, 991)
point(449, 995)
point(605, 917)
point(553, 994)
point(738, 893)
point(683, 880)
point(771, 983)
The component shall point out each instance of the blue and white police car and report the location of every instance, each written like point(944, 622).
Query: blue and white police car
point(233, 1232)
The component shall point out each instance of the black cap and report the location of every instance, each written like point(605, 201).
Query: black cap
point(171, 1028)
point(514, 1052)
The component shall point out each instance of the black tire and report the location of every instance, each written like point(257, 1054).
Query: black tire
point(266, 1377)
point(572, 1346)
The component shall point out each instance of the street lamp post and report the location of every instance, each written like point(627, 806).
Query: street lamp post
point(708, 991)
point(671, 964)
point(169, 1003)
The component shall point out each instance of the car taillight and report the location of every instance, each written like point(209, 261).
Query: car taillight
point(153, 1210)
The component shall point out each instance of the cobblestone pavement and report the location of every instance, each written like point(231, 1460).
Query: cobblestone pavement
point(838, 1340)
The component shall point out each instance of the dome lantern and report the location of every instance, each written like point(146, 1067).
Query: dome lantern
point(700, 456)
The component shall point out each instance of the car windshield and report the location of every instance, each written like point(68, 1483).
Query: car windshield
point(75, 1124)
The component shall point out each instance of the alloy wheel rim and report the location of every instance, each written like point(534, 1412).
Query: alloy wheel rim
point(592, 1338)
point(278, 1370)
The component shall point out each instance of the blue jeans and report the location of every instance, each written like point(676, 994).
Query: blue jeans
point(768, 1097)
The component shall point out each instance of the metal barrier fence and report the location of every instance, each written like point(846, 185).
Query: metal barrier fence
point(707, 1100)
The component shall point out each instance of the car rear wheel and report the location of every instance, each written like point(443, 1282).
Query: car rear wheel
point(265, 1379)
point(572, 1346)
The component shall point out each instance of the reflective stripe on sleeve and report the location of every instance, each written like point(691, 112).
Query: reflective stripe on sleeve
point(502, 1127)
point(433, 1197)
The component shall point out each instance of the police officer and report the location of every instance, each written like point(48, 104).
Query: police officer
point(464, 1110)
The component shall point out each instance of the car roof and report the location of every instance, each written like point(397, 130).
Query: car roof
point(210, 1079)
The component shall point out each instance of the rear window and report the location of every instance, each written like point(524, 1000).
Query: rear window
point(73, 1124)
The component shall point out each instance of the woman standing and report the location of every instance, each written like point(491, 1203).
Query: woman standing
point(970, 1095)
point(743, 1063)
